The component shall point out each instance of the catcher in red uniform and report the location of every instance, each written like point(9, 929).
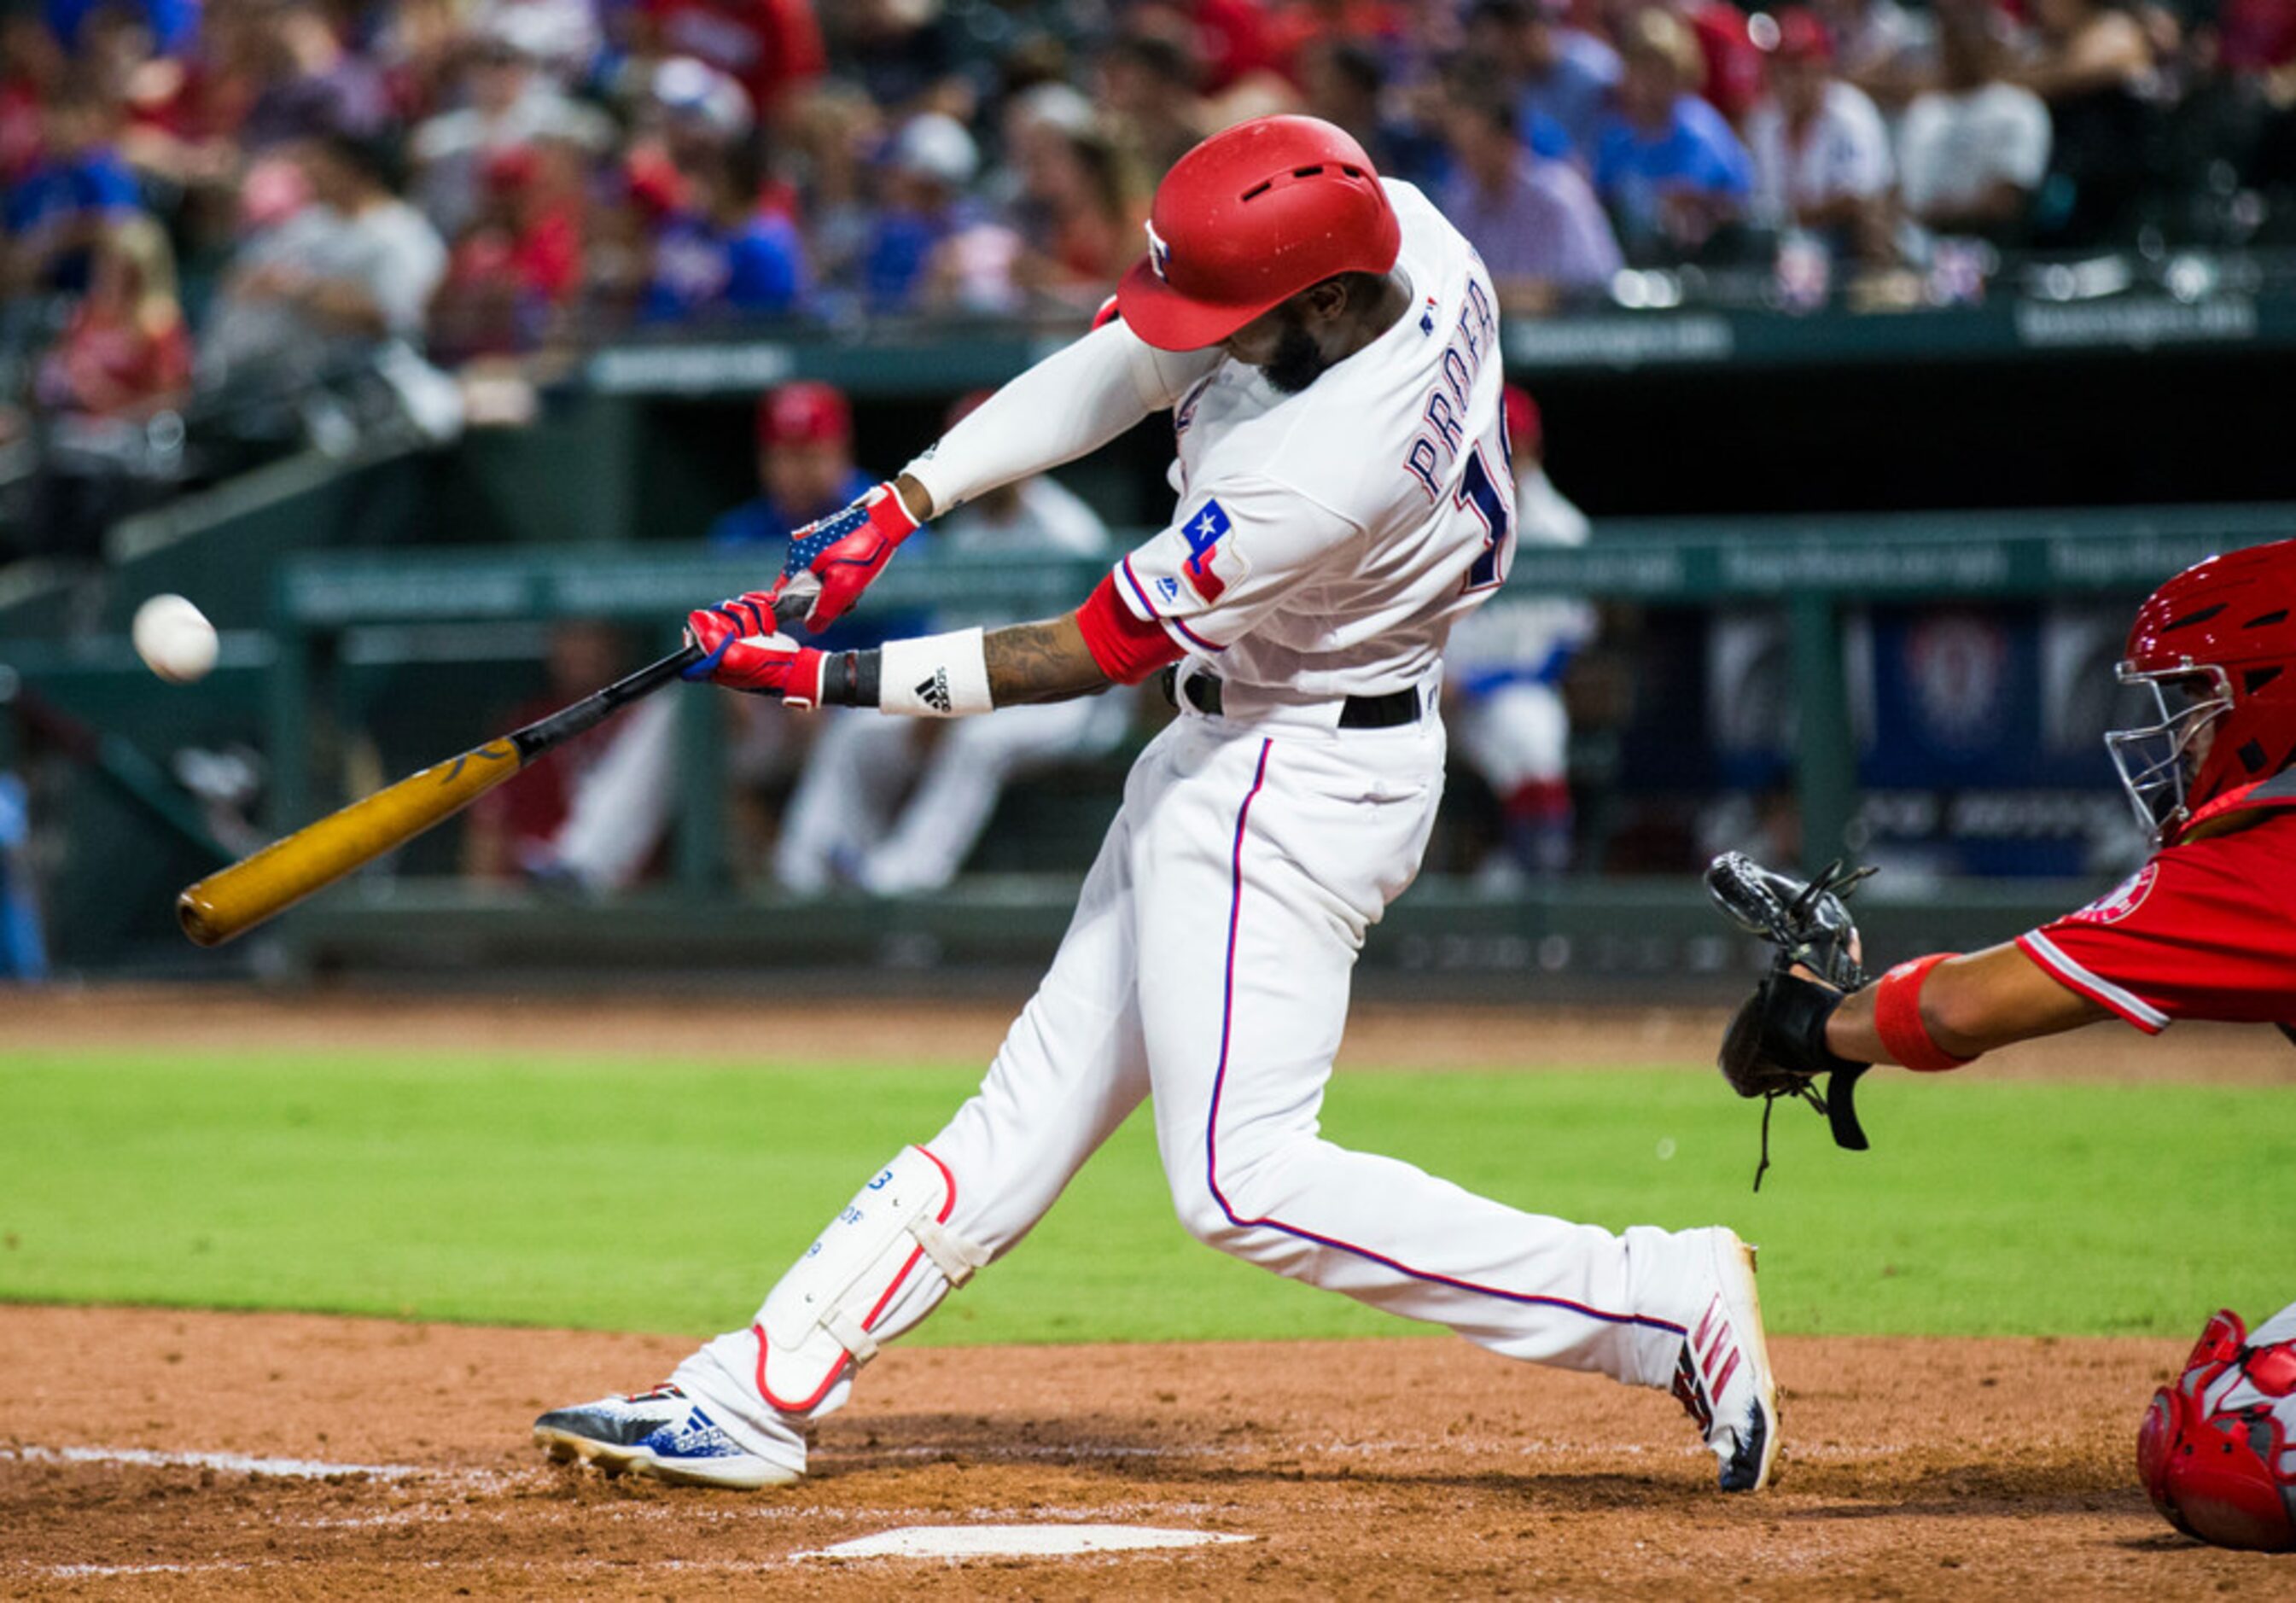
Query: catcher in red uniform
point(2206, 929)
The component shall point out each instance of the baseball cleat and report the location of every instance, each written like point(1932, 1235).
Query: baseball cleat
point(1723, 1379)
point(662, 1434)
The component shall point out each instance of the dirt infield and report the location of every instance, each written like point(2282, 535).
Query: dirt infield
point(1367, 1469)
point(719, 1028)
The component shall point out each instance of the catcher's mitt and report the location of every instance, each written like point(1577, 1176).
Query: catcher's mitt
point(1775, 1046)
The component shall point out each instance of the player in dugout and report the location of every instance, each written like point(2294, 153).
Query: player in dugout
point(1327, 347)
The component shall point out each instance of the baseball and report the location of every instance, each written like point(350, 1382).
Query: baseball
point(174, 638)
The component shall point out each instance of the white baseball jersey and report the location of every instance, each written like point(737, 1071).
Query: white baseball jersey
point(1325, 542)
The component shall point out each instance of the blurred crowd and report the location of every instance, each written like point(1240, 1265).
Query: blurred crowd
point(199, 190)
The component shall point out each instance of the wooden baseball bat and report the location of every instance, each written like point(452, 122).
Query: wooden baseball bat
point(232, 900)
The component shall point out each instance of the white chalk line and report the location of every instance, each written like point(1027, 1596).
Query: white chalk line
point(293, 1469)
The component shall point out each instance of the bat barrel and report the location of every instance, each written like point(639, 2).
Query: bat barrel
point(235, 899)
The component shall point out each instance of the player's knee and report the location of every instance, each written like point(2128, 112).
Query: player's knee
point(1224, 1211)
point(1203, 1215)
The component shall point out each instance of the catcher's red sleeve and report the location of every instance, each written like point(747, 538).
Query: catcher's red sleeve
point(2206, 930)
point(1128, 646)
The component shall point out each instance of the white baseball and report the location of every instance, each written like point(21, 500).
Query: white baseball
point(174, 638)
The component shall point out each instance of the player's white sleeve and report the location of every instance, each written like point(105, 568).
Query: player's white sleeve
point(1074, 401)
point(1235, 551)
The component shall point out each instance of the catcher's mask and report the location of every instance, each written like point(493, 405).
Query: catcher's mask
point(2156, 760)
point(2215, 647)
point(2215, 1452)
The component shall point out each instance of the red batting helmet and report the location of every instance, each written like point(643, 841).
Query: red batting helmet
point(2214, 646)
point(1249, 219)
point(2214, 1450)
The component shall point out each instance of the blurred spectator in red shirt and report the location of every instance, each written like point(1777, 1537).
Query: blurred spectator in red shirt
point(519, 261)
point(1821, 152)
point(126, 352)
point(32, 69)
point(771, 47)
point(2255, 38)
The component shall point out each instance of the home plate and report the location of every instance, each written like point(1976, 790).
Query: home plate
point(1014, 1542)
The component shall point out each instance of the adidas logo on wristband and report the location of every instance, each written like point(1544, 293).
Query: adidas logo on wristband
point(934, 692)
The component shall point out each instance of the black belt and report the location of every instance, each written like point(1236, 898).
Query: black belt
point(1208, 695)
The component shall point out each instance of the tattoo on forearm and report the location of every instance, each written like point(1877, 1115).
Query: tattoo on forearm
point(1046, 662)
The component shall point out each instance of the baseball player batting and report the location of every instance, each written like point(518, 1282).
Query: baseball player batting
point(1328, 347)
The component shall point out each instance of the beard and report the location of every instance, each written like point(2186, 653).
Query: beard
point(1298, 362)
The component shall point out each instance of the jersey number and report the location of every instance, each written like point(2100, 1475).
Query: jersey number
point(1490, 503)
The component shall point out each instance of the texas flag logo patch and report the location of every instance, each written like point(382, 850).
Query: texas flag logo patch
point(1204, 529)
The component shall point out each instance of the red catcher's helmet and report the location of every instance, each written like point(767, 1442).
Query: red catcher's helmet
point(1247, 219)
point(2214, 1450)
point(2215, 647)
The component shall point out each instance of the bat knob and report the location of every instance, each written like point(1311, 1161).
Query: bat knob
point(197, 918)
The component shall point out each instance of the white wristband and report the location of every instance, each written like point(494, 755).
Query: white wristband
point(937, 676)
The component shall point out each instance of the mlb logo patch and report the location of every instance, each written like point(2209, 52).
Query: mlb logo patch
point(1203, 530)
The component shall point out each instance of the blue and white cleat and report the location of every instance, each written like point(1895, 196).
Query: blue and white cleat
point(662, 1434)
point(1723, 1379)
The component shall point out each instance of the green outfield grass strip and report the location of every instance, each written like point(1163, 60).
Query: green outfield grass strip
point(665, 1198)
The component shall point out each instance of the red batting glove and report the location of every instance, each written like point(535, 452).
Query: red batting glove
point(743, 650)
point(836, 559)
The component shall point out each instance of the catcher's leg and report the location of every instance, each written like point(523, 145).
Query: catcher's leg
point(1070, 1071)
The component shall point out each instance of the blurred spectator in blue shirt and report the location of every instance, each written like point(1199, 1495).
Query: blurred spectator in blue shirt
point(1534, 221)
point(1564, 78)
point(173, 23)
point(1667, 165)
point(932, 161)
point(715, 252)
point(1345, 84)
point(54, 214)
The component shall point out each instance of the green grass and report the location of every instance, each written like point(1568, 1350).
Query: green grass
point(662, 1196)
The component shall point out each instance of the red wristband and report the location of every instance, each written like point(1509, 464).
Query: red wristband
point(1897, 1016)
